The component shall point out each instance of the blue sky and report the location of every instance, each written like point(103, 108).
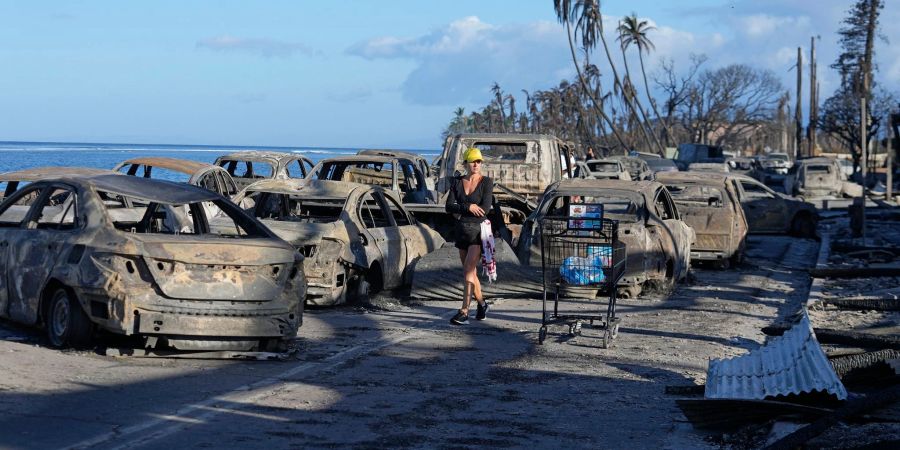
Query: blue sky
point(344, 73)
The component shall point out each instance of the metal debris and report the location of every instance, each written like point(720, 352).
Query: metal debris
point(793, 363)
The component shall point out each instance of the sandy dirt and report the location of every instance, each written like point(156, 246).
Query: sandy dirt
point(400, 375)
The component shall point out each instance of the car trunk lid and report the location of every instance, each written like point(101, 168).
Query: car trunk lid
point(218, 268)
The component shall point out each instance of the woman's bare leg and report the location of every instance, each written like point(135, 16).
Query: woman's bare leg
point(470, 271)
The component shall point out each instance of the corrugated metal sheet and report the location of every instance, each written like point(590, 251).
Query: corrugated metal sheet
point(793, 363)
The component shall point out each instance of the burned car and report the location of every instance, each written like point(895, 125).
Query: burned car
point(774, 166)
point(602, 169)
point(658, 165)
point(398, 174)
point(819, 178)
point(657, 240)
point(709, 203)
point(744, 166)
point(357, 239)
point(418, 159)
point(10, 182)
point(709, 166)
point(768, 211)
point(636, 167)
point(196, 173)
point(250, 166)
point(134, 256)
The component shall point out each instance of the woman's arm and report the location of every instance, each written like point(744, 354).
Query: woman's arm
point(452, 206)
point(487, 195)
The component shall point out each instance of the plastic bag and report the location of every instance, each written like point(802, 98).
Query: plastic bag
point(582, 271)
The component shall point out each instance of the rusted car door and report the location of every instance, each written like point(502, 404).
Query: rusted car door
point(384, 238)
point(12, 220)
point(46, 234)
point(674, 235)
point(415, 237)
point(765, 211)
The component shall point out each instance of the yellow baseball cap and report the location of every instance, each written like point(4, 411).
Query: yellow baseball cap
point(472, 154)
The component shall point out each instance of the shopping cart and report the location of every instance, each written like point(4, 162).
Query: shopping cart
point(582, 260)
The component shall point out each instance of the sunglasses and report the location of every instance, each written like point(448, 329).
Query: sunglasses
point(477, 161)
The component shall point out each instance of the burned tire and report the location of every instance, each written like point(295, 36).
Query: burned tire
point(804, 226)
point(358, 289)
point(374, 279)
point(67, 324)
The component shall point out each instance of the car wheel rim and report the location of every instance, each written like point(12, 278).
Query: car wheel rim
point(60, 316)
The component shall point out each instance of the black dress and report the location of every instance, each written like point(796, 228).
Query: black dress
point(467, 230)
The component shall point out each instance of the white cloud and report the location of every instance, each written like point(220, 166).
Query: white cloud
point(764, 25)
point(268, 48)
point(467, 56)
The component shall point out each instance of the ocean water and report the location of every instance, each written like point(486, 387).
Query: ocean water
point(24, 155)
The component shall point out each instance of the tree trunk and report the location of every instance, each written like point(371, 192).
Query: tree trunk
point(587, 90)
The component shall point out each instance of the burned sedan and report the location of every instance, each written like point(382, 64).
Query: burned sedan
point(768, 211)
point(658, 242)
point(250, 166)
point(709, 203)
point(10, 182)
point(207, 176)
point(397, 173)
point(133, 256)
point(602, 169)
point(357, 239)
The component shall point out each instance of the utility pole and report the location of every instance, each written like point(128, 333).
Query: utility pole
point(813, 97)
point(893, 149)
point(798, 110)
point(863, 141)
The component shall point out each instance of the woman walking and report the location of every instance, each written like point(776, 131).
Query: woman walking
point(470, 198)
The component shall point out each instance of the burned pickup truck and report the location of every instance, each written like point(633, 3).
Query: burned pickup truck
point(135, 256)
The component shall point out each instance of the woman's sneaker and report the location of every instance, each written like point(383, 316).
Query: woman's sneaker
point(460, 319)
point(482, 311)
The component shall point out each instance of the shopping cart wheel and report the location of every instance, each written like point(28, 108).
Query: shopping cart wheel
point(575, 328)
point(607, 338)
point(542, 334)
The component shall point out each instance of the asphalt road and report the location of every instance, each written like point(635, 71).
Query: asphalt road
point(400, 376)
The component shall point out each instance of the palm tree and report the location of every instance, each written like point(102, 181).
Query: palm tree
point(633, 31)
point(498, 97)
point(565, 12)
point(590, 24)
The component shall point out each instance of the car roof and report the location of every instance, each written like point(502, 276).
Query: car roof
point(47, 172)
point(388, 152)
point(624, 158)
point(361, 158)
point(299, 186)
point(186, 166)
point(709, 178)
point(817, 160)
point(587, 185)
point(510, 137)
point(602, 160)
point(153, 190)
point(260, 155)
